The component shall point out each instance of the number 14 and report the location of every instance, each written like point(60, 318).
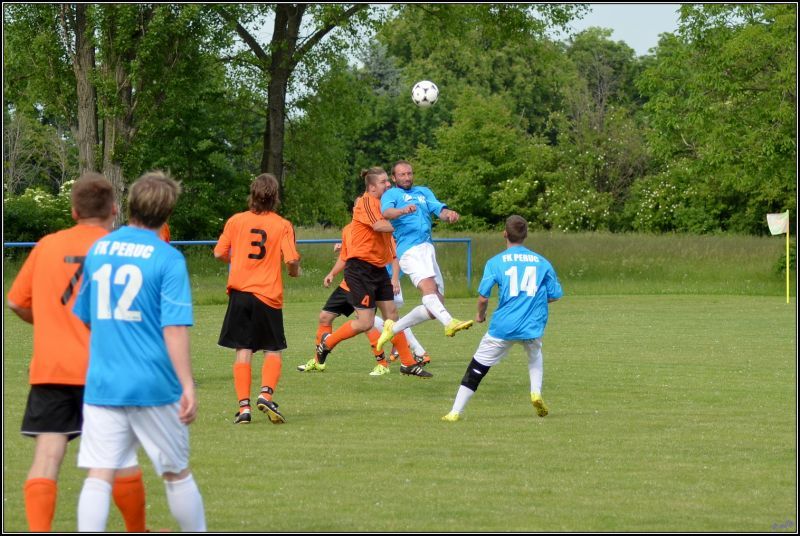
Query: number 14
point(528, 283)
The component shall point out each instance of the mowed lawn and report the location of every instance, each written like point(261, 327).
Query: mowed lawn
point(668, 413)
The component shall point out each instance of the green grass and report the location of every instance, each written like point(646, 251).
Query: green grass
point(669, 412)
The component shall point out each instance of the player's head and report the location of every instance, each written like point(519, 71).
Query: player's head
point(403, 174)
point(92, 197)
point(152, 199)
point(516, 229)
point(264, 194)
point(375, 180)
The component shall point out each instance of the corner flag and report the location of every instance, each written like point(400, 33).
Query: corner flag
point(779, 224)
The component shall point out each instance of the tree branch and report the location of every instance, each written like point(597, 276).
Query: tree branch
point(249, 40)
point(317, 36)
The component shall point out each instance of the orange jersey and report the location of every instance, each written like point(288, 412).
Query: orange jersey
point(47, 283)
point(254, 243)
point(163, 233)
point(345, 249)
point(366, 243)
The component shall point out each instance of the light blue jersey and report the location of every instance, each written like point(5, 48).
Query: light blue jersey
point(526, 281)
point(134, 284)
point(413, 228)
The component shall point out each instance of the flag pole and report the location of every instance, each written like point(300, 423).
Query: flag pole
point(787, 263)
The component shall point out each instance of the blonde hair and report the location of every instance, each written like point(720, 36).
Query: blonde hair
point(152, 199)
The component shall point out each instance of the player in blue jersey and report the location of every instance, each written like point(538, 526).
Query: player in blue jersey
point(527, 283)
point(136, 299)
point(410, 208)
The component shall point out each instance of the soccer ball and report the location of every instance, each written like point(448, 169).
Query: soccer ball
point(424, 93)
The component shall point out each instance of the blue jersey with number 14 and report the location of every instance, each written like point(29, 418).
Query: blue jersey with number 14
point(134, 285)
point(526, 282)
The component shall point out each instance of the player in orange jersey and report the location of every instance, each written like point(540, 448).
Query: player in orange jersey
point(371, 250)
point(338, 304)
point(43, 294)
point(254, 243)
point(163, 232)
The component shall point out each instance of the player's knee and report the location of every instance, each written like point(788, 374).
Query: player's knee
point(474, 375)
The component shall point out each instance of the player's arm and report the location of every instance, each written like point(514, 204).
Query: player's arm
point(25, 313)
point(483, 305)
point(394, 213)
point(336, 270)
point(293, 268)
point(382, 226)
point(176, 339)
point(222, 250)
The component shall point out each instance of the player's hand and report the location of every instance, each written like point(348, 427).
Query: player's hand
point(409, 209)
point(396, 287)
point(480, 319)
point(337, 247)
point(327, 281)
point(450, 216)
point(187, 411)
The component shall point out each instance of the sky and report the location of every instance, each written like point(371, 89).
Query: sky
point(638, 25)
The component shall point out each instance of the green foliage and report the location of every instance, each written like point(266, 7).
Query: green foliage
point(35, 213)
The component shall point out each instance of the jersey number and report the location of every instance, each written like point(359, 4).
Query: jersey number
point(129, 275)
point(75, 277)
point(262, 251)
point(528, 283)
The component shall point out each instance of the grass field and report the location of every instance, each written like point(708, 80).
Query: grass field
point(671, 410)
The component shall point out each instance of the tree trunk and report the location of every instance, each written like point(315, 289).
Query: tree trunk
point(288, 18)
point(82, 65)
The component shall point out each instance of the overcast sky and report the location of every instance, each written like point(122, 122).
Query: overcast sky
point(638, 25)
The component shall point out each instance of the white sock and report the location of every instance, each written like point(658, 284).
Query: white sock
point(417, 315)
point(186, 504)
point(93, 505)
point(436, 308)
point(462, 397)
point(413, 343)
point(378, 323)
point(536, 370)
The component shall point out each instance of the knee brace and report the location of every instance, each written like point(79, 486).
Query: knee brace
point(474, 374)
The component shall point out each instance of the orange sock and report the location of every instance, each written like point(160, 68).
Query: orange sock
point(373, 335)
point(40, 503)
point(242, 377)
point(345, 331)
point(322, 330)
point(270, 374)
point(401, 344)
point(128, 493)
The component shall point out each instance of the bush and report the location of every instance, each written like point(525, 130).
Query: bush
point(35, 213)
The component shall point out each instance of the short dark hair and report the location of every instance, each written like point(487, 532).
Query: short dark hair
point(92, 196)
point(516, 229)
point(264, 194)
point(152, 199)
point(371, 175)
point(401, 163)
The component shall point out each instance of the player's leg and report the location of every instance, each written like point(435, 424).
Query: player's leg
point(41, 488)
point(337, 305)
point(536, 371)
point(270, 338)
point(166, 441)
point(363, 279)
point(490, 351)
point(409, 365)
point(129, 496)
point(238, 333)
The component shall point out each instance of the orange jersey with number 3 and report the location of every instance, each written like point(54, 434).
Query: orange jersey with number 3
point(47, 283)
point(366, 243)
point(255, 243)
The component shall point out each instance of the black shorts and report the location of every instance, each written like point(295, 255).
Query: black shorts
point(251, 324)
point(368, 284)
point(339, 303)
point(54, 409)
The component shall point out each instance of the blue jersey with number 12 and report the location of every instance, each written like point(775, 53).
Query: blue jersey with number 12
point(526, 282)
point(134, 285)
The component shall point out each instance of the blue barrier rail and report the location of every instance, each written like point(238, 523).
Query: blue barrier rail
point(467, 241)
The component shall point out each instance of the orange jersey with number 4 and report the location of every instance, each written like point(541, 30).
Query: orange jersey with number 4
point(47, 283)
point(365, 242)
point(254, 244)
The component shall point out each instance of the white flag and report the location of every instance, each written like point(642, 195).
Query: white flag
point(778, 223)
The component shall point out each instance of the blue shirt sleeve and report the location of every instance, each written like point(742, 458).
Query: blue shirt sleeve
point(434, 205)
point(488, 281)
point(554, 290)
point(176, 294)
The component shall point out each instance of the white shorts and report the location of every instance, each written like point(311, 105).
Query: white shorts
point(492, 350)
point(419, 263)
point(111, 435)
